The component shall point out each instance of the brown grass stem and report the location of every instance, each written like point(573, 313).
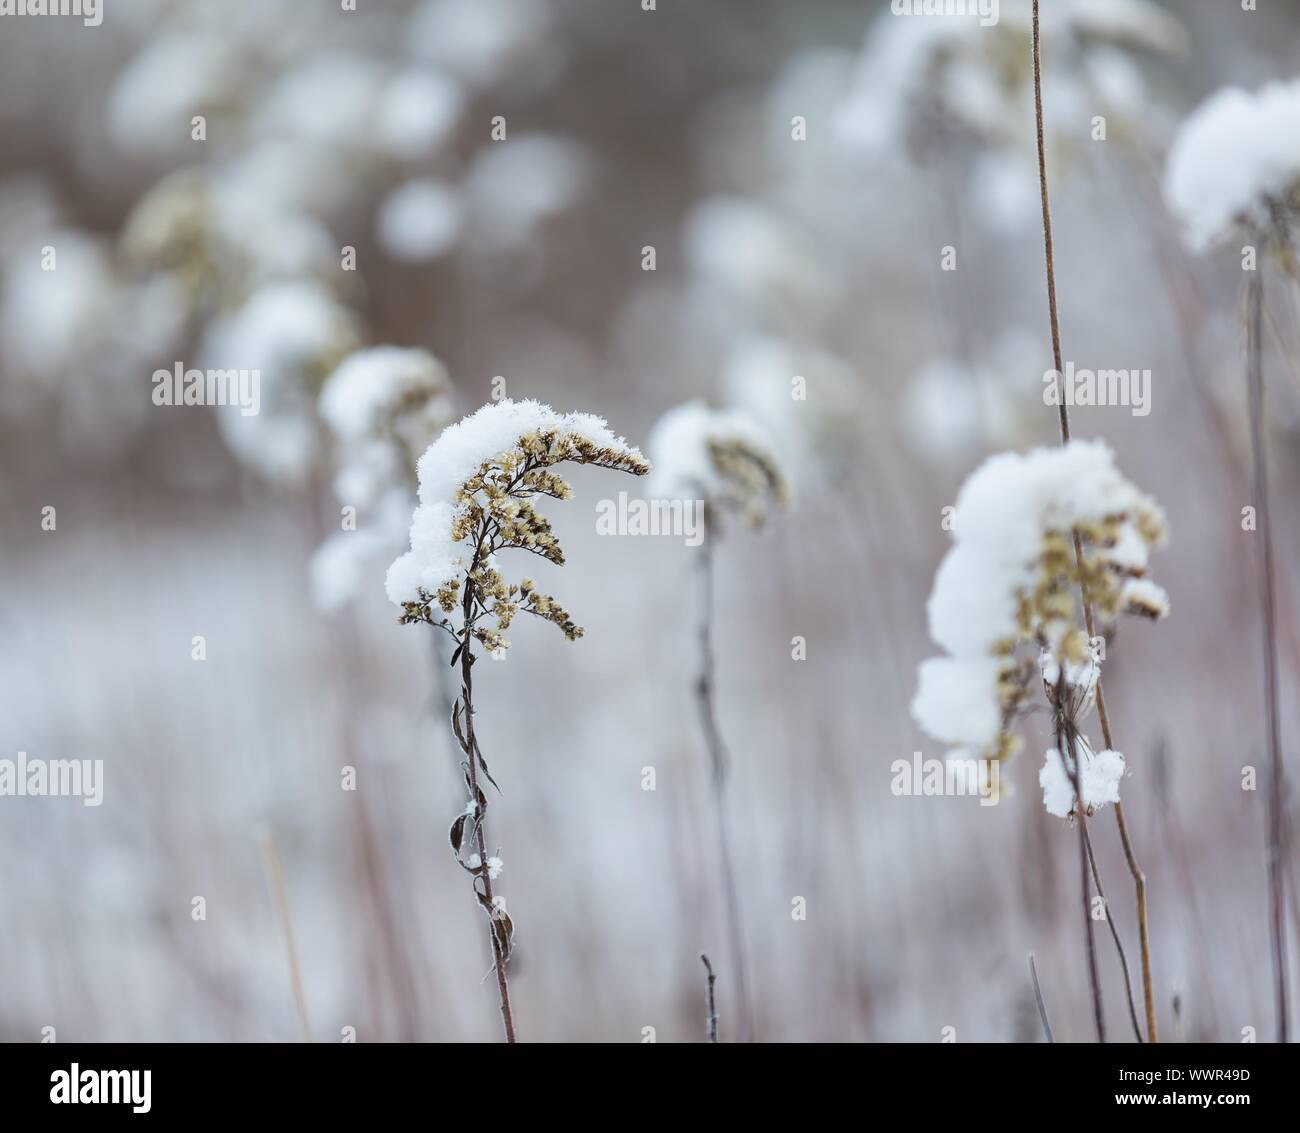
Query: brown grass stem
point(1139, 878)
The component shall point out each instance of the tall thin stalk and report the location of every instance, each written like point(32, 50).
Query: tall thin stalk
point(1067, 748)
point(1267, 598)
point(710, 999)
point(719, 764)
point(1038, 999)
point(1139, 878)
point(465, 721)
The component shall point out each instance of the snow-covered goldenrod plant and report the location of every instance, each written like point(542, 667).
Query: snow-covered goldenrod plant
point(1235, 166)
point(383, 406)
point(724, 461)
point(479, 485)
point(1234, 170)
point(1012, 578)
point(720, 457)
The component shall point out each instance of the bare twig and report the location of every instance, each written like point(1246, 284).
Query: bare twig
point(1139, 878)
point(275, 877)
point(719, 762)
point(712, 1002)
point(1259, 468)
point(1038, 998)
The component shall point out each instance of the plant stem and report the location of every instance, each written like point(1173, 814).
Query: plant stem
point(1070, 755)
point(1038, 998)
point(1119, 945)
point(719, 762)
point(712, 1002)
point(1259, 467)
point(1139, 878)
point(467, 705)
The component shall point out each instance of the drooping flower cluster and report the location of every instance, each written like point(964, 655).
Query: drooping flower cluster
point(1012, 577)
point(384, 406)
point(1236, 162)
point(478, 485)
point(720, 456)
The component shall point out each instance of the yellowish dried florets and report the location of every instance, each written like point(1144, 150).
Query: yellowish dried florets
point(495, 512)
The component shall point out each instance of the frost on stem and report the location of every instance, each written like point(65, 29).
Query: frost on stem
point(1099, 775)
point(721, 456)
point(1012, 578)
point(1236, 163)
point(383, 406)
point(478, 487)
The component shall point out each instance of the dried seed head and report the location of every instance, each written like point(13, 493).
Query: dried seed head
point(722, 457)
point(479, 483)
point(1013, 577)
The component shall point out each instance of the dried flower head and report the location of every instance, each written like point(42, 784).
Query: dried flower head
point(723, 457)
point(479, 484)
point(1012, 577)
point(1236, 162)
point(294, 334)
point(383, 405)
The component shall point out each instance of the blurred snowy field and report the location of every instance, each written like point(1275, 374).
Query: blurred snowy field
point(629, 129)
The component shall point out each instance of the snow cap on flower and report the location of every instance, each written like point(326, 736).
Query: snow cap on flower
point(1011, 576)
point(1237, 155)
point(293, 334)
point(721, 456)
point(478, 481)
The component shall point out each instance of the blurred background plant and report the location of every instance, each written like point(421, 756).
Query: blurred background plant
point(798, 171)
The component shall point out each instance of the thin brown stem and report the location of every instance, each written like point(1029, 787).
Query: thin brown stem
point(719, 764)
point(1139, 878)
point(1267, 597)
point(1038, 999)
point(1119, 945)
point(1066, 748)
point(711, 1000)
point(472, 759)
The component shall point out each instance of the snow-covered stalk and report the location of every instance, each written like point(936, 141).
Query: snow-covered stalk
point(477, 486)
point(725, 461)
point(1267, 598)
point(1139, 878)
point(1234, 169)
